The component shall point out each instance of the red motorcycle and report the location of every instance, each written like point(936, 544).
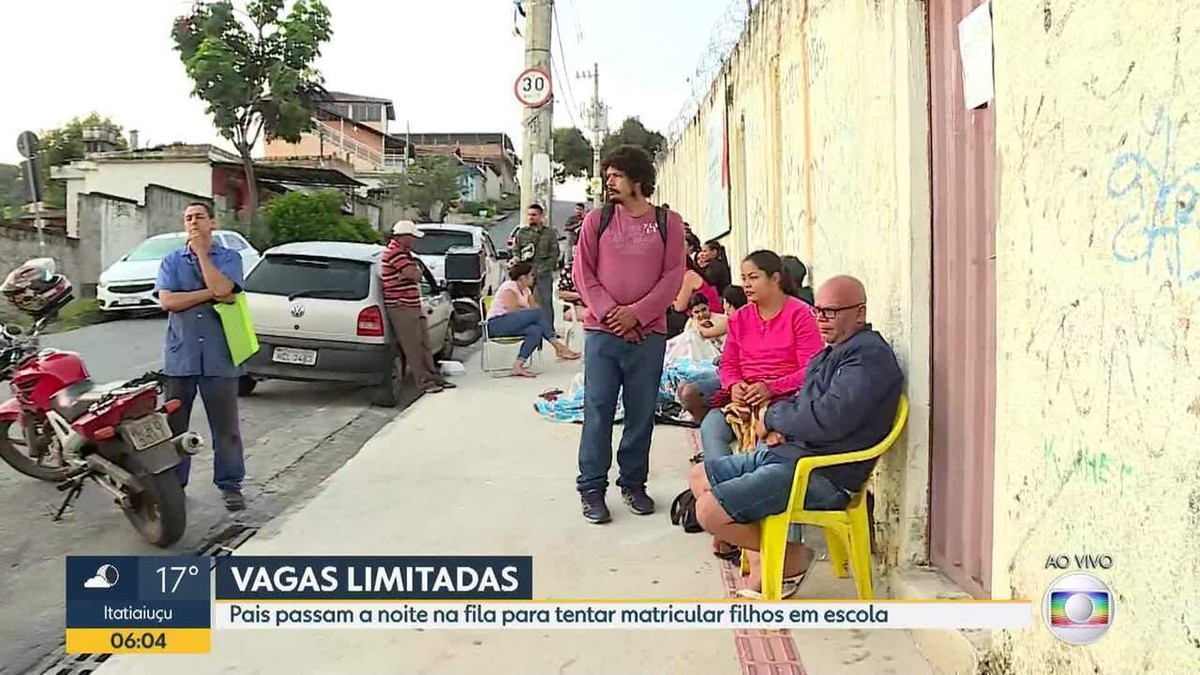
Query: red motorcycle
point(72, 430)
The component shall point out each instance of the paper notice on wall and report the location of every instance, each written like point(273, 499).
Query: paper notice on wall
point(975, 47)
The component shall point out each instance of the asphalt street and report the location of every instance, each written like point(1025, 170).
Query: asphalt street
point(295, 435)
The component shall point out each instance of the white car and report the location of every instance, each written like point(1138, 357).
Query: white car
point(128, 284)
point(317, 309)
point(476, 266)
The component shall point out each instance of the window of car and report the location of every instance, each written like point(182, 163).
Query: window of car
point(437, 242)
point(299, 276)
point(233, 242)
point(488, 247)
point(155, 248)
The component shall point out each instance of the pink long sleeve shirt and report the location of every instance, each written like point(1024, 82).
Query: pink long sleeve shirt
point(774, 352)
point(629, 265)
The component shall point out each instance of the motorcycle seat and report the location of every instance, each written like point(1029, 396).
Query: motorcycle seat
point(73, 401)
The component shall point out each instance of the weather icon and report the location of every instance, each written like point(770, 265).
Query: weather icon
point(106, 577)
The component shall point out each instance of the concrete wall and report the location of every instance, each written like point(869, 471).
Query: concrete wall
point(863, 207)
point(119, 224)
point(1097, 266)
point(19, 243)
point(128, 180)
point(1098, 273)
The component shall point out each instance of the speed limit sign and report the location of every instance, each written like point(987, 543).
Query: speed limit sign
point(533, 87)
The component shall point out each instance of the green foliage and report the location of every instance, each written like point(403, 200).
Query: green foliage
point(633, 132)
point(431, 180)
point(573, 151)
point(572, 154)
point(508, 203)
point(12, 194)
point(312, 216)
point(62, 145)
point(474, 208)
point(254, 69)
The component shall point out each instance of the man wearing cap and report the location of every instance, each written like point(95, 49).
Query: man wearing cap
point(400, 274)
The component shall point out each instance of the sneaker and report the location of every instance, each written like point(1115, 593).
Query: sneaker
point(594, 508)
point(638, 501)
point(234, 501)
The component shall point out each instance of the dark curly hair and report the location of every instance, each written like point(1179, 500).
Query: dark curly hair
point(635, 163)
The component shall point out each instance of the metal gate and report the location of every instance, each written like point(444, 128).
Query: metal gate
point(962, 434)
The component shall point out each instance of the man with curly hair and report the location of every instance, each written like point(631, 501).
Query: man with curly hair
point(628, 270)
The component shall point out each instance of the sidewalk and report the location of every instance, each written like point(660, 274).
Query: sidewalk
point(476, 471)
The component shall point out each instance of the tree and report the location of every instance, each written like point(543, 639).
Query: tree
point(633, 132)
point(64, 144)
point(254, 69)
point(12, 193)
point(313, 216)
point(572, 154)
point(431, 181)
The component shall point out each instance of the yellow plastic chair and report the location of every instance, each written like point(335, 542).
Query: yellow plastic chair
point(847, 532)
point(485, 302)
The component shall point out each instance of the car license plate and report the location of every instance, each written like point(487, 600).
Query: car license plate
point(301, 357)
point(149, 431)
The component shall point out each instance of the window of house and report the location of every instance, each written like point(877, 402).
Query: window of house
point(367, 113)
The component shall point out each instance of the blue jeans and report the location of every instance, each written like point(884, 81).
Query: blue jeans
point(530, 323)
point(753, 485)
point(612, 365)
point(716, 440)
point(220, 396)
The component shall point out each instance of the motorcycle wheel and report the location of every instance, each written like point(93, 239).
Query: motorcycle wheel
point(159, 513)
point(19, 459)
point(464, 322)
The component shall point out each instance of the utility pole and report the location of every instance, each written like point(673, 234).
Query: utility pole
point(596, 122)
point(537, 172)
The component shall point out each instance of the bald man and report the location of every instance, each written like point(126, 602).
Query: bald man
point(848, 402)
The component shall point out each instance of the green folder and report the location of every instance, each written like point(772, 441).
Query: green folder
point(239, 331)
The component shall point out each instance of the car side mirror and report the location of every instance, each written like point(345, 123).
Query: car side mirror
point(503, 255)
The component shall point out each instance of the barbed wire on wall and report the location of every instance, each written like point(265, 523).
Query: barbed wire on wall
point(725, 36)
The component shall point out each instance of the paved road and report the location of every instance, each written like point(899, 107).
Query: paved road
point(295, 435)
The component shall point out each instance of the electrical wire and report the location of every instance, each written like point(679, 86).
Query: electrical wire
point(562, 55)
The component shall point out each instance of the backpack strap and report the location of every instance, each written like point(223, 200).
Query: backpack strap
point(606, 216)
point(660, 214)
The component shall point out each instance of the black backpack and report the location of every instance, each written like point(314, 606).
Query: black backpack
point(606, 216)
point(683, 512)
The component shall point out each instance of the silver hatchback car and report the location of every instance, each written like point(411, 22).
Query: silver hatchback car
point(317, 309)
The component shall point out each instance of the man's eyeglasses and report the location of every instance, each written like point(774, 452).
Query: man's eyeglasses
point(830, 313)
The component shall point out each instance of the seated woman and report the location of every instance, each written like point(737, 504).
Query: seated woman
point(698, 391)
point(798, 272)
point(714, 265)
point(767, 350)
point(693, 283)
point(513, 314)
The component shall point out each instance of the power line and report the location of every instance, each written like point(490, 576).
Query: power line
point(562, 56)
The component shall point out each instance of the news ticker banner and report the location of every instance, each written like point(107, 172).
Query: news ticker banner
point(172, 604)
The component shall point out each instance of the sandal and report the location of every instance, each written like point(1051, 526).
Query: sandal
point(790, 586)
point(733, 554)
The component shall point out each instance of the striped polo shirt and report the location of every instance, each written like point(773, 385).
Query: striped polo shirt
point(398, 291)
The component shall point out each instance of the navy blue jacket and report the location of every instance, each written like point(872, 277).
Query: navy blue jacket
point(848, 402)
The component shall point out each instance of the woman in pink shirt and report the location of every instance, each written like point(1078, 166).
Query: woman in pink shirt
point(767, 347)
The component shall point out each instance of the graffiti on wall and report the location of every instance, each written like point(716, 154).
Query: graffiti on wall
point(1156, 193)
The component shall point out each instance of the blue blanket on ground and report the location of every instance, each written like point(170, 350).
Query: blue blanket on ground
point(568, 406)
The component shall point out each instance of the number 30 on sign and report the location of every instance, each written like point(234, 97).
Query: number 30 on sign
point(533, 87)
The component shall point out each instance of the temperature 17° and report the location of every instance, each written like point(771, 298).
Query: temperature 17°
point(175, 573)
